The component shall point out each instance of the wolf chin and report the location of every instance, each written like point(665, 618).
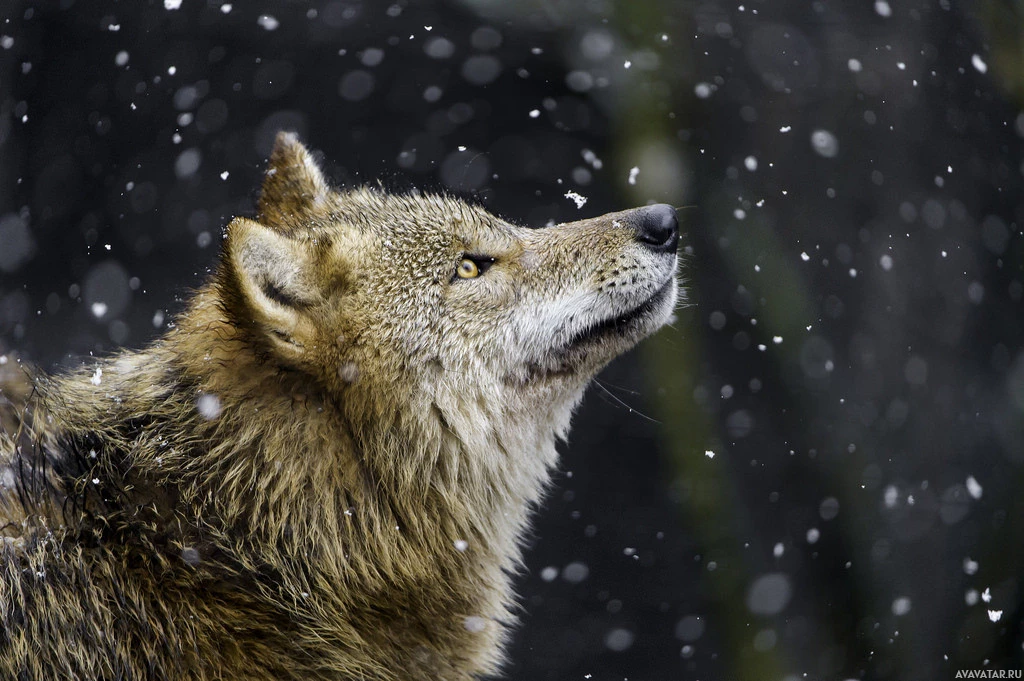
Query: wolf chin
point(325, 467)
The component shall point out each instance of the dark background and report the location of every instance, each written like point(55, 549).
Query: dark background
point(852, 348)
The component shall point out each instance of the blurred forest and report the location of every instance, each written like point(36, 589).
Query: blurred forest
point(816, 473)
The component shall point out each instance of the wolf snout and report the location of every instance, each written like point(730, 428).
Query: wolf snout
point(657, 227)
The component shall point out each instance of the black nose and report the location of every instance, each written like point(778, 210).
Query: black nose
point(657, 227)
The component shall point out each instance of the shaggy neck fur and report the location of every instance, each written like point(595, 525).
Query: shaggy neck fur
point(273, 490)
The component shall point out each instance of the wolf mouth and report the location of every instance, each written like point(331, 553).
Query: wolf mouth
point(566, 359)
point(622, 324)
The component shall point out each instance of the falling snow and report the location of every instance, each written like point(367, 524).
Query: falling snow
point(591, 158)
point(575, 572)
point(576, 198)
point(208, 406)
point(836, 205)
point(769, 594)
point(973, 487)
point(825, 143)
point(901, 606)
point(266, 21)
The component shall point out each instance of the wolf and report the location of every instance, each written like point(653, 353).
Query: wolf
point(325, 468)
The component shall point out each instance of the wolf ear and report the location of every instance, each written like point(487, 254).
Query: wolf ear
point(271, 272)
point(293, 185)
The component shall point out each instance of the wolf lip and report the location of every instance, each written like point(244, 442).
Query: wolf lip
point(621, 323)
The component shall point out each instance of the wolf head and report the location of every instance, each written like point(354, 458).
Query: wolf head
point(388, 298)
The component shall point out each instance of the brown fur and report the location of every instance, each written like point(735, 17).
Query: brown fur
point(323, 471)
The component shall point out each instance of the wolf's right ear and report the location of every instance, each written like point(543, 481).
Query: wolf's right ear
point(271, 272)
point(293, 185)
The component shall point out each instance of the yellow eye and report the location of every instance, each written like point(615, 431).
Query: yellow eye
point(468, 269)
point(472, 266)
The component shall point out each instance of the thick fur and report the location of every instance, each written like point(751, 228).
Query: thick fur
point(325, 468)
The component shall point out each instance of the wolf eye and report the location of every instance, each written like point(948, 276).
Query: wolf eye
point(468, 269)
point(472, 267)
